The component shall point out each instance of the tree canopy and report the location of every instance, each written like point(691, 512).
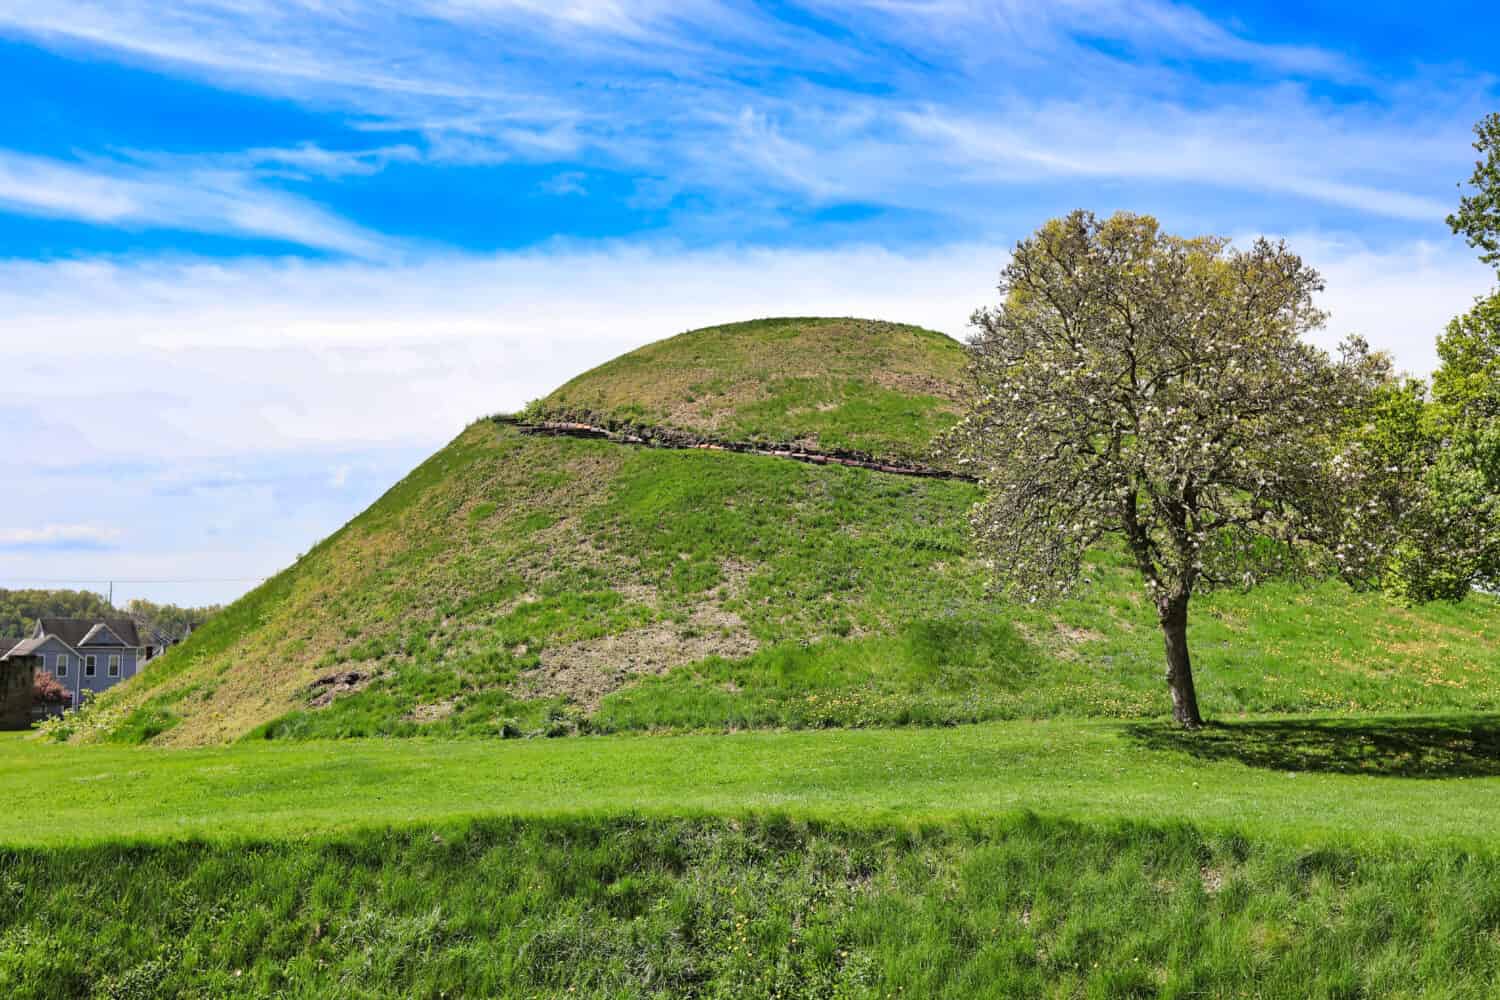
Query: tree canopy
point(20, 609)
point(1445, 530)
point(1446, 536)
point(1159, 388)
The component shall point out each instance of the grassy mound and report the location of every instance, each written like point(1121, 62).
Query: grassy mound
point(836, 384)
point(514, 585)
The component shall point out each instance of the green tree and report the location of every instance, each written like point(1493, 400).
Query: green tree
point(1447, 535)
point(1159, 388)
point(1478, 215)
point(170, 618)
point(20, 609)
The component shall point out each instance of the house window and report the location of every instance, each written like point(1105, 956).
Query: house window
point(114, 665)
point(62, 664)
point(88, 666)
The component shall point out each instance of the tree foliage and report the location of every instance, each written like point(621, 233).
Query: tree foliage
point(1445, 534)
point(170, 619)
point(20, 609)
point(1159, 388)
point(1478, 215)
point(47, 689)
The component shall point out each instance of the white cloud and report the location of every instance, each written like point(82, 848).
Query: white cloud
point(199, 195)
point(569, 182)
point(54, 536)
point(182, 358)
point(1152, 26)
point(1278, 146)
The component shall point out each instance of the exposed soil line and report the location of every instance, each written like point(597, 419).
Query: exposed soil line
point(665, 437)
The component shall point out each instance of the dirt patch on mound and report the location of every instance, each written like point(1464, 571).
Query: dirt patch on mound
point(584, 672)
point(917, 384)
point(430, 713)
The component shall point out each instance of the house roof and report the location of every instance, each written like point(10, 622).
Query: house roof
point(87, 631)
point(101, 635)
point(7, 644)
point(26, 646)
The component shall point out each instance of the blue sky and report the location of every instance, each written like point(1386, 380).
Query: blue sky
point(258, 257)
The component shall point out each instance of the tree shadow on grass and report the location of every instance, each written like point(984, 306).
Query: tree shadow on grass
point(1448, 747)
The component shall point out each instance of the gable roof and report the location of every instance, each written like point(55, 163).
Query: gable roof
point(7, 644)
point(78, 631)
point(27, 646)
point(101, 635)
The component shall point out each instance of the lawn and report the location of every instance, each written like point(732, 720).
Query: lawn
point(836, 384)
point(1434, 778)
point(1277, 857)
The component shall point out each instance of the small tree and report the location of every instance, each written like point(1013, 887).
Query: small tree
point(1158, 388)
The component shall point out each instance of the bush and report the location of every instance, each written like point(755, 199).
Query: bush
point(49, 690)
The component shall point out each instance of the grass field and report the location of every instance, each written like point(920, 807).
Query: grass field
point(1279, 857)
point(1304, 778)
point(838, 384)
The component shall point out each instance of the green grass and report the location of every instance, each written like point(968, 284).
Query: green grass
point(1286, 857)
point(837, 384)
point(785, 772)
point(1307, 779)
point(748, 908)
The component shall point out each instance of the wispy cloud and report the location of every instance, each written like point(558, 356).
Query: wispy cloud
point(190, 195)
point(864, 100)
point(1151, 27)
point(192, 358)
point(62, 537)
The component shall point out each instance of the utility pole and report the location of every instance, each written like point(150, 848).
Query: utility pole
point(111, 593)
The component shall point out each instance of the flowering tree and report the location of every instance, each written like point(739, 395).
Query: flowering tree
point(1158, 388)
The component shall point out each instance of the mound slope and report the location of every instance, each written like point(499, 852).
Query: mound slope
point(516, 585)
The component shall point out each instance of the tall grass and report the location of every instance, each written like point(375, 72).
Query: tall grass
point(747, 908)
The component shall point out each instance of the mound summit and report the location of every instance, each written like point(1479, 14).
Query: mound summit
point(519, 585)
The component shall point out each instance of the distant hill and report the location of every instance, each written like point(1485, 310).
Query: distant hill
point(517, 585)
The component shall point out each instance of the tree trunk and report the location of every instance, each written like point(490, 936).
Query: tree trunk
point(1174, 621)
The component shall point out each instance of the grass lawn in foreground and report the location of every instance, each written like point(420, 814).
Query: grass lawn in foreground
point(1001, 860)
point(1352, 780)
